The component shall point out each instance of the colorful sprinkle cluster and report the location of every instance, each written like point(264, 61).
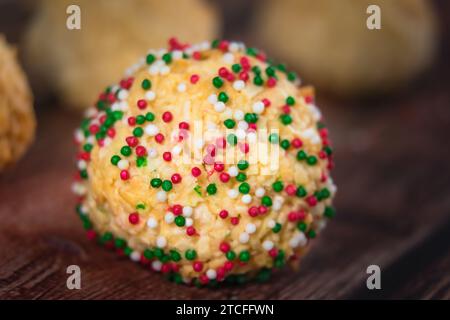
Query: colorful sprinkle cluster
point(212, 221)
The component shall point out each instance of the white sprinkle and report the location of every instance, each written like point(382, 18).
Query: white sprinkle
point(233, 47)
point(258, 107)
point(164, 70)
point(233, 171)
point(156, 265)
point(78, 189)
point(228, 58)
point(211, 274)
point(252, 137)
point(267, 245)
point(123, 164)
point(276, 205)
point(176, 150)
point(169, 217)
point(189, 222)
point(233, 193)
point(177, 54)
point(181, 87)
point(150, 95)
point(82, 164)
point(161, 242)
point(212, 98)
point(187, 211)
point(298, 240)
point(123, 94)
point(246, 198)
point(250, 228)
point(260, 192)
point(198, 143)
point(152, 153)
point(152, 223)
point(243, 125)
point(238, 115)
point(240, 134)
point(238, 85)
point(135, 256)
point(151, 130)
point(161, 196)
point(244, 237)
point(271, 223)
point(154, 69)
point(219, 106)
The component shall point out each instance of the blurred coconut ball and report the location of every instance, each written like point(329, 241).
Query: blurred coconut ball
point(17, 122)
point(329, 41)
point(77, 64)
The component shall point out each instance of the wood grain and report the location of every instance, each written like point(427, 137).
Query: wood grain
point(393, 177)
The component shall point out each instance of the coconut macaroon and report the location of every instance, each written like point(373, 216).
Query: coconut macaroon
point(206, 162)
point(17, 122)
point(112, 35)
point(331, 44)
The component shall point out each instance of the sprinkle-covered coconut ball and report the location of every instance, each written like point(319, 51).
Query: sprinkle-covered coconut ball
point(206, 162)
point(113, 34)
point(17, 121)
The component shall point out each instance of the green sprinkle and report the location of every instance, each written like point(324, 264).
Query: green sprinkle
point(211, 189)
point(140, 119)
point(244, 188)
point(149, 116)
point(198, 190)
point(312, 160)
point(329, 212)
point(286, 119)
point(166, 185)
point(266, 201)
point(217, 82)
point(140, 206)
point(138, 132)
point(232, 139)
point(190, 254)
point(312, 234)
point(231, 255)
point(241, 177)
point(119, 243)
point(244, 256)
point(156, 182)
point(277, 186)
point(236, 67)
point(167, 57)
point(270, 71)
point(125, 151)
point(301, 155)
point(141, 162)
point(251, 117)
point(175, 255)
point(229, 123)
point(258, 81)
point(180, 221)
point(150, 58)
point(290, 101)
point(146, 84)
point(302, 226)
point(274, 138)
point(115, 159)
point(277, 228)
point(242, 164)
point(223, 97)
point(285, 144)
point(291, 76)
point(301, 192)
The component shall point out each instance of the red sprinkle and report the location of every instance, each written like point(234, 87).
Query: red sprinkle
point(194, 78)
point(132, 141)
point(133, 218)
point(290, 189)
point(224, 247)
point(167, 116)
point(228, 265)
point(159, 138)
point(198, 266)
point(311, 200)
point(111, 132)
point(190, 231)
point(131, 121)
point(234, 221)
point(297, 143)
point(176, 178)
point(196, 171)
point(223, 214)
point(142, 104)
point(218, 166)
point(183, 125)
point(224, 177)
point(273, 252)
point(124, 175)
point(253, 211)
point(266, 102)
point(167, 156)
point(271, 82)
point(177, 209)
point(141, 151)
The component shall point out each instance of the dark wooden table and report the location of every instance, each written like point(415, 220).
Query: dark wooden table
point(392, 171)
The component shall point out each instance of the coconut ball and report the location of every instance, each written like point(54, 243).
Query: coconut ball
point(17, 122)
point(207, 163)
point(330, 43)
point(76, 64)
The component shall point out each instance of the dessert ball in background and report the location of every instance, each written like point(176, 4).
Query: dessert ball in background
point(205, 163)
point(329, 42)
point(17, 122)
point(76, 64)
